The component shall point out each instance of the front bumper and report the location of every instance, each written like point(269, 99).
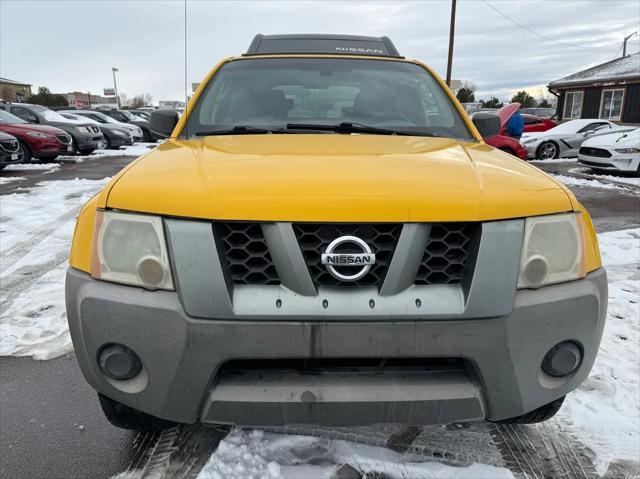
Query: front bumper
point(87, 141)
point(617, 162)
point(182, 357)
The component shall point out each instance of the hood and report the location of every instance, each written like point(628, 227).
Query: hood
point(144, 123)
point(352, 178)
point(506, 112)
point(25, 127)
point(68, 124)
point(6, 136)
point(620, 139)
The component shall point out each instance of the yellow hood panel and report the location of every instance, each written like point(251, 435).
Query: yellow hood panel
point(318, 177)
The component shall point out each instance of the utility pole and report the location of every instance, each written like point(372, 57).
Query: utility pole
point(452, 29)
point(624, 44)
point(115, 86)
point(89, 97)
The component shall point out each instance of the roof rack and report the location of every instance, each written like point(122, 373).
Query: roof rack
point(308, 43)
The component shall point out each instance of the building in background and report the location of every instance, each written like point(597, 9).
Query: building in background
point(14, 91)
point(84, 100)
point(610, 91)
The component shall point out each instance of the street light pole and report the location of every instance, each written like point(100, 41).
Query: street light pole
point(452, 29)
point(115, 86)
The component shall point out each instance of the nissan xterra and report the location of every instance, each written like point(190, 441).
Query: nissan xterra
point(325, 238)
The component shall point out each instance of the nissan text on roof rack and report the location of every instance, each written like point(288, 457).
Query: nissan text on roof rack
point(325, 238)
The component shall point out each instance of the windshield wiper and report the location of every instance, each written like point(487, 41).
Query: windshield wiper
point(349, 127)
point(242, 130)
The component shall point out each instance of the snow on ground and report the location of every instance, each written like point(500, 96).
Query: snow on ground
point(556, 160)
point(619, 178)
point(32, 166)
point(9, 179)
point(35, 232)
point(249, 454)
point(573, 181)
point(133, 150)
point(605, 410)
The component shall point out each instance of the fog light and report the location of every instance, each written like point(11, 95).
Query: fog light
point(562, 359)
point(119, 362)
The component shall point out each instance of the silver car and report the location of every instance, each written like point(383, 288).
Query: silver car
point(564, 140)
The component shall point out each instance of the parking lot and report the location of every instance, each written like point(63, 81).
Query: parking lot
point(53, 427)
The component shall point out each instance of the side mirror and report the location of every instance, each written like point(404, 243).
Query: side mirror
point(163, 121)
point(33, 120)
point(488, 124)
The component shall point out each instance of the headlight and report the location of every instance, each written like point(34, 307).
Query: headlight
point(138, 131)
point(84, 129)
point(37, 134)
point(553, 250)
point(119, 133)
point(628, 151)
point(131, 249)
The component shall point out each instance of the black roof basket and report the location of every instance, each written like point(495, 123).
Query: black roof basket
point(308, 43)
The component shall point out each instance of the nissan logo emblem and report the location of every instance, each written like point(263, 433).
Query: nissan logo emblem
point(333, 259)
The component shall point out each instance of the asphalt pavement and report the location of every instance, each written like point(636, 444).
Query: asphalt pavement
point(50, 420)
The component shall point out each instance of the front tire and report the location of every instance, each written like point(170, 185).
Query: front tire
point(126, 417)
point(548, 150)
point(26, 153)
point(146, 136)
point(86, 152)
point(541, 414)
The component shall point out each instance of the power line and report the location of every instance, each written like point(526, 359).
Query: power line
point(532, 31)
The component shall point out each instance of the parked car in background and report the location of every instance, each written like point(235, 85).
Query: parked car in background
point(539, 112)
point(565, 139)
point(101, 118)
point(43, 142)
point(501, 140)
point(85, 137)
point(114, 136)
point(618, 151)
point(9, 150)
point(534, 123)
point(144, 114)
point(126, 116)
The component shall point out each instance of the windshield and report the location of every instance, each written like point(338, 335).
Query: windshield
point(129, 115)
point(273, 92)
point(49, 115)
point(8, 118)
point(101, 117)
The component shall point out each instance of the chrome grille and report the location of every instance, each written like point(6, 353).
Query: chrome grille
point(314, 239)
point(247, 256)
point(446, 254)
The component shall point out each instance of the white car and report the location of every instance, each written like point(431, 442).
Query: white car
point(618, 151)
point(564, 140)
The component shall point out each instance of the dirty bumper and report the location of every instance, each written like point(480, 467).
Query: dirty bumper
point(466, 369)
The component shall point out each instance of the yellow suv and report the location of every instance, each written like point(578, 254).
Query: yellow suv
point(325, 238)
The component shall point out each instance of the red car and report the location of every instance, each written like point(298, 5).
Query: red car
point(502, 141)
point(36, 141)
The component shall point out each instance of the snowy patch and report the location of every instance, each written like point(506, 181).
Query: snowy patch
point(9, 179)
point(605, 410)
point(32, 166)
point(133, 150)
point(256, 454)
point(36, 233)
point(618, 178)
point(572, 181)
point(557, 160)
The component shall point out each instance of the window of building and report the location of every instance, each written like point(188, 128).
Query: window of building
point(611, 104)
point(572, 105)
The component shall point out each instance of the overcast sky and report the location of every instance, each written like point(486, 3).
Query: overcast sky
point(72, 45)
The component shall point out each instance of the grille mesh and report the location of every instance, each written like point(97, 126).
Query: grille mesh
point(446, 254)
point(314, 239)
point(598, 152)
point(246, 253)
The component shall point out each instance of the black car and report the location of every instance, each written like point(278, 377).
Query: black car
point(126, 116)
point(85, 137)
point(10, 152)
point(114, 136)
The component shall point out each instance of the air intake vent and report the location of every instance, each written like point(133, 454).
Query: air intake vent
point(446, 254)
point(246, 253)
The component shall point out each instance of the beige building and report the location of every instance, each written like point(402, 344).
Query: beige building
point(11, 90)
point(82, 100)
